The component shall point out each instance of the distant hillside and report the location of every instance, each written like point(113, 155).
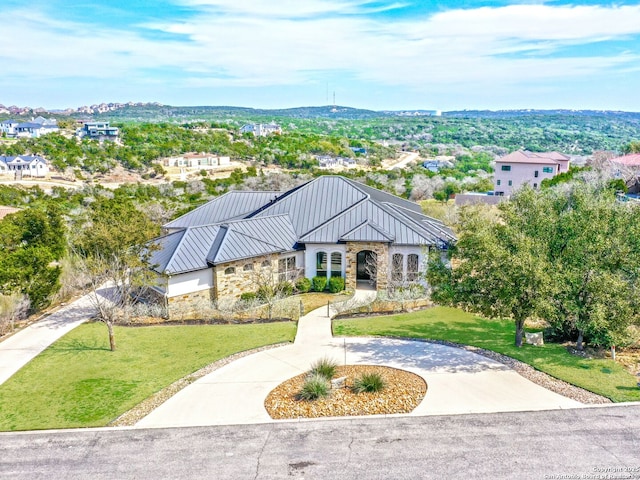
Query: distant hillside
point(151, 112)
point(498, 114)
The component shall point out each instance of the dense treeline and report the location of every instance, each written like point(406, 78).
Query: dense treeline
point(143, 143)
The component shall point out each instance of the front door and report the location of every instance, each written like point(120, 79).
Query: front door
point(367, 265)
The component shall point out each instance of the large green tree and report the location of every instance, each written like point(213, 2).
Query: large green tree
point(498, 270)
point(31, 243)
point(570, 255)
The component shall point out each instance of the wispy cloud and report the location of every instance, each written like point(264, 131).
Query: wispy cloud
point(288, 42)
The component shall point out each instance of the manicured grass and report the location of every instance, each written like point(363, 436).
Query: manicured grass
point(602, 376)
point(78, 382)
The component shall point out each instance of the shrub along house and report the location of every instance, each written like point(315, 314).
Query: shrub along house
point(330, 226)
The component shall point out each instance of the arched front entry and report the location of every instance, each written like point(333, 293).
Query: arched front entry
point(367, 266)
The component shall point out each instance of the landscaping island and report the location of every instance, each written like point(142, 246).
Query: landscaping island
point(403, 391)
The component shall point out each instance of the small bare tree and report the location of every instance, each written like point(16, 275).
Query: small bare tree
point(271, 283)
point(13, 308)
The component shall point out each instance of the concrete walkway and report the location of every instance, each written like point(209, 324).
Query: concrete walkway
point(20, 348)
point(458, 381)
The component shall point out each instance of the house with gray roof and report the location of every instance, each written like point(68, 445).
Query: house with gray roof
point(24, 166)
point(330, 226)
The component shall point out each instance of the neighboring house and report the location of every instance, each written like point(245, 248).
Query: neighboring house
point(261, 129)
point(328, 162)
point(627, 168)
point(37, 127)
point(197, 160)
point(330, 226)
point(24, 166)
point(524, 167)
point(8, 127)
point(98, 131)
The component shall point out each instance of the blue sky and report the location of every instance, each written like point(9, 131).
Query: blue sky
point(398, 54)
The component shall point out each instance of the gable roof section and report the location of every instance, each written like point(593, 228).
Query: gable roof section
point(252, 238)
point(315, 202)
point(398, 225)
point(367, 232)
point(232, 205)
point(183, 251)
point(197, 248)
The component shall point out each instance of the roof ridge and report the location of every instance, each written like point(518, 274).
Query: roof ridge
point(336, 216)
point(255, 238)
point(381, 230)
point(183, 233)
point(409, 222)
point(360, 225)
point(197, 208)
point(217, 244)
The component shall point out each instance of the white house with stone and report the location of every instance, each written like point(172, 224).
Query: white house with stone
point(23, 166)
point(198, 161)
point(524, 167)
point(261, 129)
point(330, 226)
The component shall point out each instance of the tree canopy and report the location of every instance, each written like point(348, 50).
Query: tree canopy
point(569, 255)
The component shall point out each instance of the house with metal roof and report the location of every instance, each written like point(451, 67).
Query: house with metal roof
point(524, 167)
point(330, 226)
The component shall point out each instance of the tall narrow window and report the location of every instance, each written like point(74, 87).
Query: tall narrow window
point(535, 174)
point(287, 269)
point(336, 264)
point(412, 267)
point(321, 264)
point(397, 267)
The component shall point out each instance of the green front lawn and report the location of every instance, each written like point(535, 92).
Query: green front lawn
point(78, 382)
point(602, 376)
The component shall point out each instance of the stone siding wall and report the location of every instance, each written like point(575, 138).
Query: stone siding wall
point(188, 304)
point(382, 252)
point(232, 285)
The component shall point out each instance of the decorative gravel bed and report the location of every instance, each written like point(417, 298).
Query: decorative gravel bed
point(402, 393)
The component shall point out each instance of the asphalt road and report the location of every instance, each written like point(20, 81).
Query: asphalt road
point(601, 442)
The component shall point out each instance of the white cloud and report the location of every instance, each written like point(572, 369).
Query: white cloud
point(261, 43)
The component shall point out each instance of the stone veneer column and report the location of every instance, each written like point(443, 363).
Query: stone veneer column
point(382, 263)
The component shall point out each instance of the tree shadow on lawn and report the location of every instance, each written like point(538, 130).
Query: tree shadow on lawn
point(418, 355)
point(75, 346)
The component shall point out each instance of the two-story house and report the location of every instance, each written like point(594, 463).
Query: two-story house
point(524, 167)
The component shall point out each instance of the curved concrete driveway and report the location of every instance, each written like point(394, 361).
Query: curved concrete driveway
point(458, 381)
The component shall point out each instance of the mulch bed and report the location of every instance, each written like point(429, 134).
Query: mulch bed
point(402, 393)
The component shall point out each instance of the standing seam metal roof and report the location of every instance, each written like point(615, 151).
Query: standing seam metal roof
point(232, 205)
point(329, 209)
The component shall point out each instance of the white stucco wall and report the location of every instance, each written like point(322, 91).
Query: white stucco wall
point(190, 282)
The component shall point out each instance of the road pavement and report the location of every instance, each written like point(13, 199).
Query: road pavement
point(559, 444)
